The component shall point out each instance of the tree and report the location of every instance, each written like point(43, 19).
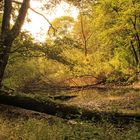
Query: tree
point(9, 34)
point(63, 26)
point(116, 31)
point(126, 24)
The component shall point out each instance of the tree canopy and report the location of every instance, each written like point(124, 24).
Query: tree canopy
point(104, 40)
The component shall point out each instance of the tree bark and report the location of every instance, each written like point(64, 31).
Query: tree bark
point(6, 16)
point(8, 35)
point(4, 43)
point(4, 55)
point(135, 53)
point(136, 34)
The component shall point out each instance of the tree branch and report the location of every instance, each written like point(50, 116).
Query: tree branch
point(20, 19)
point(89, 36)
point(44, 18)
point(38, 14)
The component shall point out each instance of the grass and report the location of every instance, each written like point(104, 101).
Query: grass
point(19, 124)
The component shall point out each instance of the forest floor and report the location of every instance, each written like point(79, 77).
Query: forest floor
point(126, 101)
point(18, 123)
point(102, 97)
point(122, 101)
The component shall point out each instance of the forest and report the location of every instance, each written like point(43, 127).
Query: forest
point(78, 77)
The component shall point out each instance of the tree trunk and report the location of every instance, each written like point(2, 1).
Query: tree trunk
point(135, 53)
point(136, 35)
point(4, 55)
point(8, 35)
point(83, 34)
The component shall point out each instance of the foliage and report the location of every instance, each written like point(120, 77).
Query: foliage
point(63, 26)
point(103, 41)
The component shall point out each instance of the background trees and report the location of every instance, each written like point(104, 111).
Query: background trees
point(103, 41)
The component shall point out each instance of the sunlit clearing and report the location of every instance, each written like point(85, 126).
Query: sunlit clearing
point(38, 26)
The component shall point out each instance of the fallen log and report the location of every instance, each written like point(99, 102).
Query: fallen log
point(52, 107)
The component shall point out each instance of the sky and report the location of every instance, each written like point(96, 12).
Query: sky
point(38, 26)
